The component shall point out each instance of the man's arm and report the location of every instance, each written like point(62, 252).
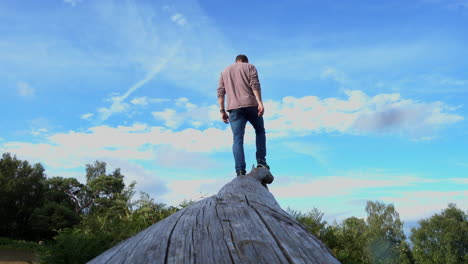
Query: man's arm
point(255, 84)
point(224, 115)
point(221, 94)
point(258, 96)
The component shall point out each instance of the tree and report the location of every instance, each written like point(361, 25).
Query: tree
point(21, 191)
point(73, 191)
point(103, 228)
point(442, 238)
point(58, 210)
point(313, 221)
point(385, 235)
point(102, 189)
point(352, 236)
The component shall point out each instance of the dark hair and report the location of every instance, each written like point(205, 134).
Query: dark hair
point(242, 58)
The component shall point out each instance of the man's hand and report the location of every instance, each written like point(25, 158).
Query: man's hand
point(225, 117)
point(261, 110)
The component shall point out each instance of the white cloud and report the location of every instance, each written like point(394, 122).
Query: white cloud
point(140, 100)
point(118, 105)
point(25, 90)
point(338, 185)
point(316, 151)
point(189, 113)
point(149, 181)
point(184, 102)
point(415, 205)
point(72, 2)
point(290, 117)
point(179, 19)
point(170, 117)
point(439, 79)
point(460, 180)
point(39, 131)
point(40, 127)
point(194, 189)
point(144, 100)
point(344, 196)
point(87, 116)
point(137, 142)
point(358, 114)
point(167, 156)
point(334, 74)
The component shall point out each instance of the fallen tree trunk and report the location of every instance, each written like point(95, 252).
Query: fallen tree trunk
point(243, 223)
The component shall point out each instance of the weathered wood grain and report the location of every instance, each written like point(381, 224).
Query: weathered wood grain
point(243, 223)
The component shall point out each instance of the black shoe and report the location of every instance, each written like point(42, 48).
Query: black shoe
point(240, 172)
point(263, 165)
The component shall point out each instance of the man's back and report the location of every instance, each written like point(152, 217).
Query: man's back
point(238, 81)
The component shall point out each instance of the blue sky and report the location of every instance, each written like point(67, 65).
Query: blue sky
point(363, 101)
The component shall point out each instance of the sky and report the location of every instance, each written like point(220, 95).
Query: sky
point(363, 101)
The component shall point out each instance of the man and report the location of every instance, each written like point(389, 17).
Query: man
point(244, 103)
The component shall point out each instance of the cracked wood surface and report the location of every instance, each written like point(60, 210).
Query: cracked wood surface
point(243, 223)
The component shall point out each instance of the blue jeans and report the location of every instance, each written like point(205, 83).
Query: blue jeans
point(238, 119)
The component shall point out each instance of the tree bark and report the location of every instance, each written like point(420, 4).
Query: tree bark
point(243, 223)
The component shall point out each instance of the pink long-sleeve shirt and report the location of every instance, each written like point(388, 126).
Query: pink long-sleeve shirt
point(238, 81)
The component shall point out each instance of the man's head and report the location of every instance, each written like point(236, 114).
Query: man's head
point(242, 58)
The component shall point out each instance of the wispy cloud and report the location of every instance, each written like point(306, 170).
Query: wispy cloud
point(179, 19)
point(317, 151)
point(450, 4)
point(439, 79)
point(145, 39)
point(174, 53)
point(25, 90)
point(72, 2)
point(87, 116)
point(118, 102)
point(334, 74)
point(41, 127)
point(144, 100)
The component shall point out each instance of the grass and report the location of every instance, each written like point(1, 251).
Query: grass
point(19, 244)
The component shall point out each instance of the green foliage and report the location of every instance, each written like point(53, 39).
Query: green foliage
point(386, 240)
point(50, 217)
point(379, 239)
point(71, 191)
point(352, 237)
point(313, 221)
point(72, 247)
point(19, 244)
point(84, 219)
point(186, 203)
point(442, 238)
point(56, 212)
point(21, 191)
point(104, 227)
